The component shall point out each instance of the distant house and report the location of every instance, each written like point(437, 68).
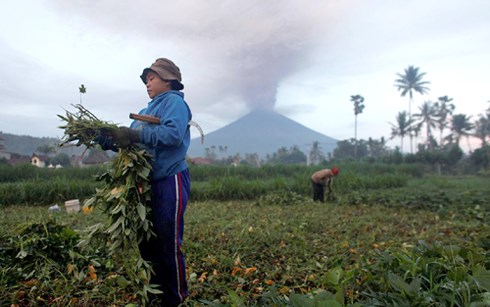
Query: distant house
point(39, 160)
point(95, 157)
point(76, 160)
point(16, 159)
point(4, 154)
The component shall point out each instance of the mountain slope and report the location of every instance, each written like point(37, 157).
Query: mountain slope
point(262, 132)
point(27, 145)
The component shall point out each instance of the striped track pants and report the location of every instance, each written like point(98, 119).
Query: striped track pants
point(169, 201)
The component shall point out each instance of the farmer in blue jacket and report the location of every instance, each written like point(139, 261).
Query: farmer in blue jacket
point(167, 142)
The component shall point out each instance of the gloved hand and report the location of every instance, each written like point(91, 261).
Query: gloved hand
point(105, 139)
point(124, 136)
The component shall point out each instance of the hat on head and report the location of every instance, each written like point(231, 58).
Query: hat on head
point(335, 170)
point(165, 69)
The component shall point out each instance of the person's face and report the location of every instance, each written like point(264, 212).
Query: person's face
point(155, 85)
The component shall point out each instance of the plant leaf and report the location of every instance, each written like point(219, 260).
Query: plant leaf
point(141, 211)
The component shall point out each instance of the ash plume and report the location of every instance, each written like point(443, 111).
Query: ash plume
point(241, 49)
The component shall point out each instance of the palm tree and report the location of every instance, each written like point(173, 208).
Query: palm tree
point(358, 107)
point(376, 148)
point(46, 149)
point(443, 109)
point(409, 82)
point(461, 126)
point(428, 118)
point(82, 90)
point(316, 154)
point(415, 132)
point(401, 128)
point(482, 129)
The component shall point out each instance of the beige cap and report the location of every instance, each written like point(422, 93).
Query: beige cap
point(166, 69)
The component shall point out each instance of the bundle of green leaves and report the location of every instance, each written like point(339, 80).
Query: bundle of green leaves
point(124, 196)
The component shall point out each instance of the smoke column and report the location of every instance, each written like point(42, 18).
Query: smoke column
point(246, 47)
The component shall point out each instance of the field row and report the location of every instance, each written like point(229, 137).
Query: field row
point(252, 253)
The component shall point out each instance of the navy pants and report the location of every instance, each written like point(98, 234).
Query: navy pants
point(169, 201)
point(318, 191)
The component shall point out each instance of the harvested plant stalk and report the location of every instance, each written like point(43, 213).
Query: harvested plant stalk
point(124, 196)
point(82, 127)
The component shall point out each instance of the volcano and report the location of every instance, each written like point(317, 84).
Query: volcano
point(262, 132)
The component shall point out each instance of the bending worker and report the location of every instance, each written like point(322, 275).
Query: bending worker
point(323, 178)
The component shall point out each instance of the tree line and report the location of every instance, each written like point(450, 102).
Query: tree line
point(435, 121)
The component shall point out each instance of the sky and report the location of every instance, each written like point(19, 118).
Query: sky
point(302, 59)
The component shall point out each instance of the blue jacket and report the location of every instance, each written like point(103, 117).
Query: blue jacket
point(167, 142)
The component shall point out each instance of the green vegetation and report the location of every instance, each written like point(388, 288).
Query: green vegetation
point(394, 236)
point(30, 185)
point(124, 198)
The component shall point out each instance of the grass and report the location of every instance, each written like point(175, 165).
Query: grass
point(14, 217)
point(249, 248)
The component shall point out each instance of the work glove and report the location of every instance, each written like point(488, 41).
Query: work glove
point(124, 137)
point(106, 140)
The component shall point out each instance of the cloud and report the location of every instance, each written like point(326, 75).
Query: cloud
point(241, 50)
point(302, 58)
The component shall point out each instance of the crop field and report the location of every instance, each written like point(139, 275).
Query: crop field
point(254, 238)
